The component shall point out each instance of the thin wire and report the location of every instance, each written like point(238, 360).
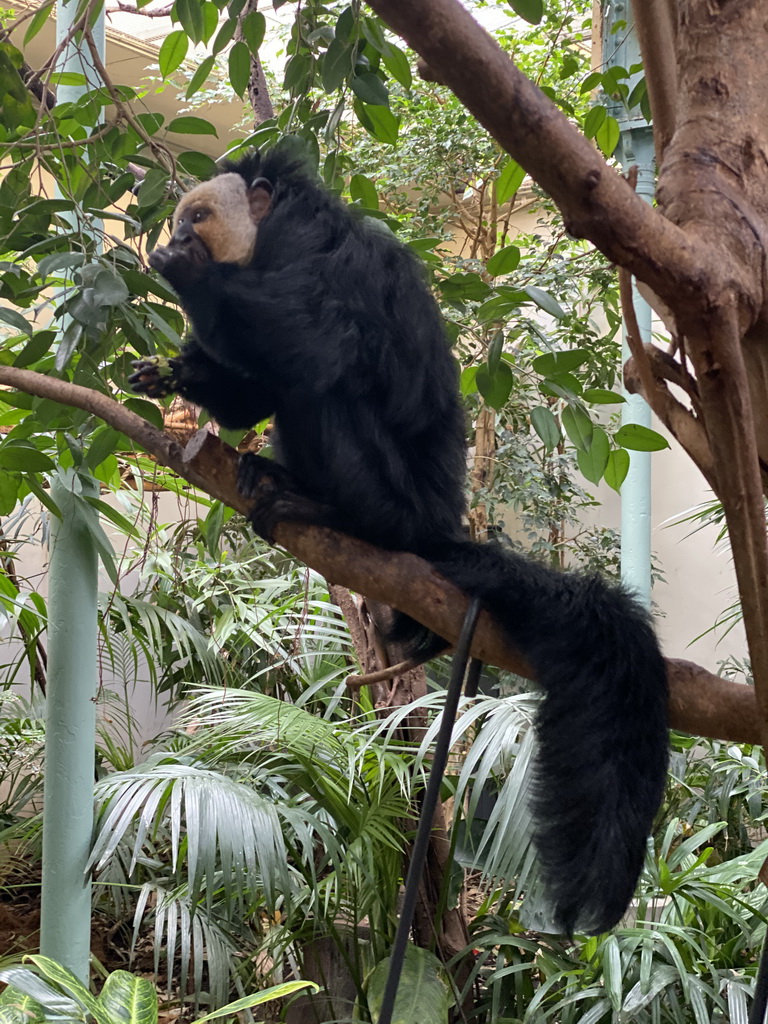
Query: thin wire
point(760, 997)
point(428, 807)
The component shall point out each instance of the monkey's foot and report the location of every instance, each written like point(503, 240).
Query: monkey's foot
point(272, 490)
point(154, 377)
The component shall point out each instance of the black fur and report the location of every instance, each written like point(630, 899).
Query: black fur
point(332, 330)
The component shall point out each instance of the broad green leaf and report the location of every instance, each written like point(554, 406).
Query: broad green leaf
point(561, 385)
point(9, 492)
point(200, 76)
point(253, 27)
point(544, 423)
point(495, 387)
point(385, 126)
point(103, 443)
point(37, 22)
point(199, 165)
point(16, 320)
point(530, 10)
point(592, 463)
point(297, 74)
point(551, 363)
point(224, 36)
point(189, 14)
point(337, 64)
point(396, 63)
point(128, 999)
point(210, 19)
point(423, 996)
point(60, 261)
point(468, 380)
point(504, 261)
point(152, 188)
point(173, 51)
point(24, 457)
point(239, 67)
point(363, 191)
point(189, 125)
point(545, 301)
point(607, 136)
point(594, 120)
point(464, 286)
point(578, 426)
point(370, 89)
point(509, 181)
point(147, 410)
point(601, 396)
point(617, 468)
point(638, 438)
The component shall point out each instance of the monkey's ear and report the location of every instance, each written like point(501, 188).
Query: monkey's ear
point(260, 198)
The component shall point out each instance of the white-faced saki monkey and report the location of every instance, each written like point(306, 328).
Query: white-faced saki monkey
point(303, 312)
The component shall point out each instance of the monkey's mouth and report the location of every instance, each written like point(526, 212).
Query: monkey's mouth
point(192, 251)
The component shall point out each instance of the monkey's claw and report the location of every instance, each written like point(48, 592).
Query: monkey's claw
point(154, 377)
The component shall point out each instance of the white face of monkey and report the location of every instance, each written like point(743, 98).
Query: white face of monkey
point(224, 214)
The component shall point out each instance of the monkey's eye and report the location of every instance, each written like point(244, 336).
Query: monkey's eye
point(199, 215)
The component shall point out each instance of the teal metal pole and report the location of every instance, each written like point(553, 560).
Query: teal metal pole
point(635, 149)
point(70, 734)
point(70, 731)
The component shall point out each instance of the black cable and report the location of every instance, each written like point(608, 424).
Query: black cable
point(428, 806)
point(760, 997)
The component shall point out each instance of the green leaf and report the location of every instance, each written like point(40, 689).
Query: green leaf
point(199, 165)
point(9, 492)
point(578, 426)
point(16, 320)
point(607, 136)
point(495, 387)
point(545, 301)
point(592, 463)
point(363, 191)
point(601, 396)
point(266, 995)
point(468, 380)
point(544, 423)
point(396, 63)
point(638, 438)
point(551, 363)
point(423, 995)
point(494, 351)
point(239, 67)
point(24, 457)
point(189, 125)
point(189, 14)
point(561, 385)
point(173, 51)
point(370, 89)
point(594, 120)
point(530, 10)
point(147, 410)
point(504, 261)
point(384, 125)
point(103, 443)
point(128, 999)
point(509, 181)
point(37, 22)
point(199, 77)
point(337, 64)
point(253, 28)
point(464, 286)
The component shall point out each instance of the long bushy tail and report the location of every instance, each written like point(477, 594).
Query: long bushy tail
point(602, 726)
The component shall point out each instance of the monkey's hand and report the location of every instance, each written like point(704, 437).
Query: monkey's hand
point(276, 496)
point(180, 265)
point(155, 376)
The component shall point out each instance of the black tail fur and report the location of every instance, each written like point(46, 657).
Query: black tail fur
point(602, 726)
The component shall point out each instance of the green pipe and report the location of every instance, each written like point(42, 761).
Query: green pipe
point(70, 730)
point(620, 48)
point(70, 733)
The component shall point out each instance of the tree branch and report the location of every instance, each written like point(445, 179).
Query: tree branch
point(595, 201)
point(699, 701)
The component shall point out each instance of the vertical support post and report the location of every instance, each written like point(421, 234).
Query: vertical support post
point(635, 148)
point(70, 737)
point(70, 732)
